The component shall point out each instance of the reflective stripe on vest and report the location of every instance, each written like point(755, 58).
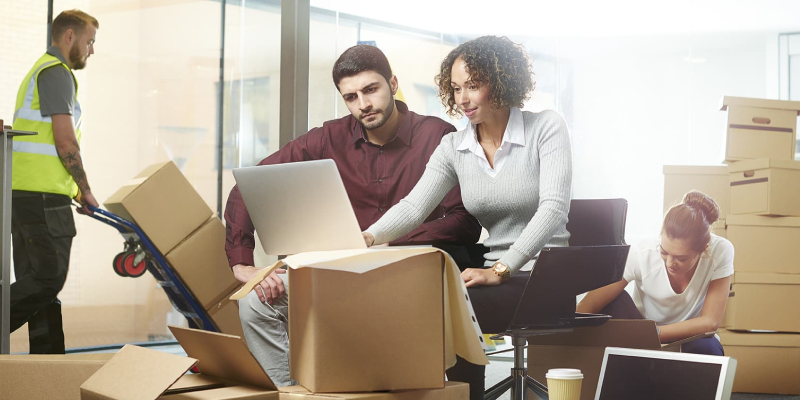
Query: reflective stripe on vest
point(36, 148)
point(37, 166)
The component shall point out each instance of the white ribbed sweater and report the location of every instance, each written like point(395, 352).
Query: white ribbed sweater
point(524, 207)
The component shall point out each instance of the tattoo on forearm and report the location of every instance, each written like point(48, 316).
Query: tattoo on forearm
point(74, 164)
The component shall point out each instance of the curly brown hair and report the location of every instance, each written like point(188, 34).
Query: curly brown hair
point(494, 61)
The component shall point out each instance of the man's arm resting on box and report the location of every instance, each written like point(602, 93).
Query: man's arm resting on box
point(709, 319)
point(597, 299)
point(269, 289)
point(69, 151)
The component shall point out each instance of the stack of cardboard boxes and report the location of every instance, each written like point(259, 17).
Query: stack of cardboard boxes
point(184, 229)
point(759, 196)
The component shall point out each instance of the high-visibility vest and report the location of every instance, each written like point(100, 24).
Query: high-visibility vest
point(36, 165)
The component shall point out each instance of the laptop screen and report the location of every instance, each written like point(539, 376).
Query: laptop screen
point(630, 374)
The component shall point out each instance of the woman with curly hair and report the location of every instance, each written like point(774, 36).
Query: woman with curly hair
point(515, 172)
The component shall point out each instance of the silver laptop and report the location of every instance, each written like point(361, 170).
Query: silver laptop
point(629, 374)
point(299, 207)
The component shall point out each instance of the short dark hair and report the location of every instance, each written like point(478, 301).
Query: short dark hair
point(71, 19)
point(494, 61)
point(360, 58)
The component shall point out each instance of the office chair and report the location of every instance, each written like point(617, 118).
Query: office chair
point(591, 222)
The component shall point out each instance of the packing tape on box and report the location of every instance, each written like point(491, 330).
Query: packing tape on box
point(463, 334)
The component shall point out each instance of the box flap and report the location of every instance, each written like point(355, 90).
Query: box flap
point(135, 373)
point(695, 170)
point(759, 339)
point(765, 278)
point(189, 382)
point(222, 356)
point(687, 340)
point(630, 333)
point(226, 393)
point(462, 332)
point(758, 220)
point(762, 103)
point(763, 163)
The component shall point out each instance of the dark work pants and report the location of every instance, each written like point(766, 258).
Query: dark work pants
point(494, 307)
point(42, 228)
point(623, 307)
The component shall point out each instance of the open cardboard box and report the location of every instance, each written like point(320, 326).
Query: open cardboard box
point(760, 128)
point(51, 377)
point(376, 319)
point(765, 187)
point(583, 348)
point(228, 371)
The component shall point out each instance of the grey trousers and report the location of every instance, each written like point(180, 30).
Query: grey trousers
point(266, 330)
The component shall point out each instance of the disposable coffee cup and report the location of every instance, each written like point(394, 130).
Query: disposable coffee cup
point(564, 384)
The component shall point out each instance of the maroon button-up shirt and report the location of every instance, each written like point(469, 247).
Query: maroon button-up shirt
point(375, 177)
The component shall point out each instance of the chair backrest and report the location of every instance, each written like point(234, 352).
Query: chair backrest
point(597, 222)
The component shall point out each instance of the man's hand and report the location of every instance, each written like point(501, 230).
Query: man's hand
point(480, 277)
point(86, 199)
point(269, 289)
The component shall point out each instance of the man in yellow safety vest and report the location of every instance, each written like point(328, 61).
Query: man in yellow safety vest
point(47, 174)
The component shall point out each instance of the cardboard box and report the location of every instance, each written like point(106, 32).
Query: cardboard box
point(584, 348)
point(759, 128)
point(376, 319)
point(228, 371)
point(451, 391)
point(709, 179)
point(345, 327)
point(162, 203)
point(765, 244)
point(225, 315)
point(765, 187)
point(767, 362)
point(51, 377)
point(760, 301)
point(201, 263)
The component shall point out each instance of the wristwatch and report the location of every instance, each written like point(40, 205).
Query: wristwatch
point(502, 271)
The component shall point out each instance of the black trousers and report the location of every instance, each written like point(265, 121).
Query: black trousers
point(42, 228)
point(494, 307)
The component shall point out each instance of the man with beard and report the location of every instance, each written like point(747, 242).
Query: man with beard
point(380, 149)
point(47, 174)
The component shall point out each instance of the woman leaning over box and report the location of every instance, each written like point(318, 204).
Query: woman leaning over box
point(515, 172)
point(681, 280)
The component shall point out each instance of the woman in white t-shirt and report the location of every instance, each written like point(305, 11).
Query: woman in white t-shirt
point(681, 281)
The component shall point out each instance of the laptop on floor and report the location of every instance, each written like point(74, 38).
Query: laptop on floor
point(299, 207)
point(664, 375)
point(560, 274)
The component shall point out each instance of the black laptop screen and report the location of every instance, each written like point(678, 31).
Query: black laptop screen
point(634, 378)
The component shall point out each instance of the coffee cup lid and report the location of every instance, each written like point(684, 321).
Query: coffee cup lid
point(564, 373)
